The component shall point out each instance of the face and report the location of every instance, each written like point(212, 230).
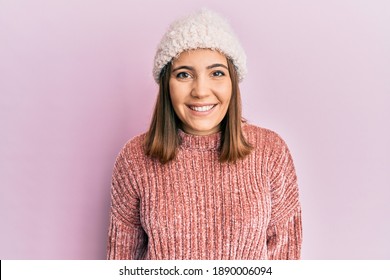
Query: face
point(200, 90)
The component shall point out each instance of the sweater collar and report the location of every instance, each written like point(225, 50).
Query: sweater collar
point(196, 142)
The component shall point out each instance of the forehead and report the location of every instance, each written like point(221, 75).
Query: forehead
point(200, 57)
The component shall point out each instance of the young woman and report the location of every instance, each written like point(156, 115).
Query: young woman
point(202, 183)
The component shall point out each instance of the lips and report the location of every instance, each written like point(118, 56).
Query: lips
point(203, 108)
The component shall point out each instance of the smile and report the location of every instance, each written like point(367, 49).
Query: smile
point(202, 108)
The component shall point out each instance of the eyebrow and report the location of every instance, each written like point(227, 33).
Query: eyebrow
point(217, 65)
point(208, 67)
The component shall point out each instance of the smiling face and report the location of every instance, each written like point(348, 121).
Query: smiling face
point(200, 90)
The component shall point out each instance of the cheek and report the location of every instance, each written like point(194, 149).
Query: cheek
point(225, 94)
point(177, 100)
point(175, 97)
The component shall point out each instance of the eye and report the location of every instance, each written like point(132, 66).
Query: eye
point(183, 75)
point(218, 73)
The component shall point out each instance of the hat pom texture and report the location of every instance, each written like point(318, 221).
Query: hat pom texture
point(202, 30)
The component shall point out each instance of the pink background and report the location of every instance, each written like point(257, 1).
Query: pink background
point(76, 84)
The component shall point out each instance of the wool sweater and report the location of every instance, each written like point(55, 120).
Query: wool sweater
point(196, 207)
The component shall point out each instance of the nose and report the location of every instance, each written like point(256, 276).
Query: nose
point(201, 88)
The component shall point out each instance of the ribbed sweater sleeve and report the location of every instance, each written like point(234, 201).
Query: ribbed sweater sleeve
point(126, 237)
point(284, 233)
point(284, 238)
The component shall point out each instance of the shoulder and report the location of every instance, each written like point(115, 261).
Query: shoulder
point(135, 144)
point(133, 149)
point(263, 137)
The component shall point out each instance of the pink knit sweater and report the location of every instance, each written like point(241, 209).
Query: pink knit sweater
point(198, 208)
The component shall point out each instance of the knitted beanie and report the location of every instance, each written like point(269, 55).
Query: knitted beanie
point(201, 30)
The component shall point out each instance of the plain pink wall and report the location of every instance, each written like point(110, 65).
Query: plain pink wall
point(76, 84)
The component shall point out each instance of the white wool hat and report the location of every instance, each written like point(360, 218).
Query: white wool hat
point(201, 30)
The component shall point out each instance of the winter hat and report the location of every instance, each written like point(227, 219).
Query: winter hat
point(201, 30)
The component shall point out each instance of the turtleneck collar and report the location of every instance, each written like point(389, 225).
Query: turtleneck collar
point(197, 142)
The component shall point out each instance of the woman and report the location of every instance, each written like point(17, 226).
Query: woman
point(202, 183)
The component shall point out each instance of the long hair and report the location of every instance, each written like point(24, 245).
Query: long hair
point(162, 138)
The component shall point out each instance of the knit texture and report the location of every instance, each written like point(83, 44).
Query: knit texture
point(201, 30)
point(195, 207)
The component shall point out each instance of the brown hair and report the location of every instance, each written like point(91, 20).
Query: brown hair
point(162, 139)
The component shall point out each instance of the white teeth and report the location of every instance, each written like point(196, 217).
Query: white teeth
point(202, 109)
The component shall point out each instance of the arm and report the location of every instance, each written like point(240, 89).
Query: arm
point(284, 233)
point(126, 237)
point(284, 239)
